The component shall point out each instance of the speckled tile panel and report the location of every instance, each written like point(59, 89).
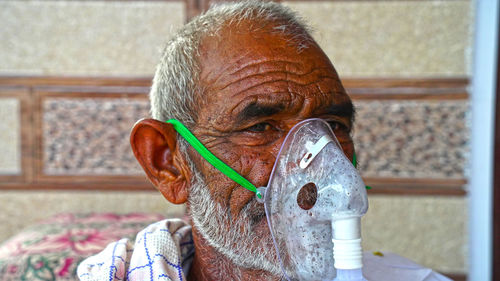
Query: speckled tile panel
point(412, 139)
point(23, 208)
point(10, 141)
point(432, 231)
point(393, 38)
point(85, 37)
point(85, 136)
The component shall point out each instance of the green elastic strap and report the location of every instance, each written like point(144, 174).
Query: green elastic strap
point(212, 159)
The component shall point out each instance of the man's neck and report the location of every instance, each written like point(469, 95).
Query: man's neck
point(208, 264)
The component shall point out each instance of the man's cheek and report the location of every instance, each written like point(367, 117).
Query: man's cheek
point(218, 184)
point(257, 166)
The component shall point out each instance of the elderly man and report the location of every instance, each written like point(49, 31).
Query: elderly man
point(239, 77)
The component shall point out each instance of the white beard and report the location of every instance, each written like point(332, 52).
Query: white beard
point(235, 239)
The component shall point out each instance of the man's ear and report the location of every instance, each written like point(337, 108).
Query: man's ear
point(155, 146)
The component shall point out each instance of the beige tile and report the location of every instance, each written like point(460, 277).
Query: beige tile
point(393, 38)
point(85, 37)
point(10, 142)
point(20, 209)
point(428, 230)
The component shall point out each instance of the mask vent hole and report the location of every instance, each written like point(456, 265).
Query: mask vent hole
point(306, 198)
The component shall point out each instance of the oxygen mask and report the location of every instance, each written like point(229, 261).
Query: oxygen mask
point(314, 202)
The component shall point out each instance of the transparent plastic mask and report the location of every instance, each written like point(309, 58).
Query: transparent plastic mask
point(312, 185)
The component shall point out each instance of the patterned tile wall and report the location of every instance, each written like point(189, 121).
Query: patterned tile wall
point(10, 140)
point(412, 139)
point(90, 136)
point(432, 231)
point(395, 139)
point(85, 37)
point(393, 38)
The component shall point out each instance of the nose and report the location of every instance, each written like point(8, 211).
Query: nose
point(286, 127)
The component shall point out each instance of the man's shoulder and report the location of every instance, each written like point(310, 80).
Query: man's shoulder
point(162, 249)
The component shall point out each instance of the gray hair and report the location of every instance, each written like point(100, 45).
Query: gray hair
point(176, 82)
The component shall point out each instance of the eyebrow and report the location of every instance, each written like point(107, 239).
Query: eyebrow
point(343, 109)
point(255, 110)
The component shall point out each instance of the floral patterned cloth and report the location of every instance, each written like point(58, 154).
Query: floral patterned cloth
point(52, 249)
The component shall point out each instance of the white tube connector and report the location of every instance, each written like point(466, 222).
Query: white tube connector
point(347, 228)
point(347, 254)
point(347, 250)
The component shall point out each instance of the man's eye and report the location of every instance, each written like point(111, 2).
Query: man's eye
point(261, 127)
point(336, 126)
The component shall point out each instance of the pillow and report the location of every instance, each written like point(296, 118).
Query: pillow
point(52, 249)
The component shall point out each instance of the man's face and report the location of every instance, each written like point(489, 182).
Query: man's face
point(257, 86)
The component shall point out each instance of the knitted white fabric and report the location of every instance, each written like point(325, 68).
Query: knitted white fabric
point(162, 251)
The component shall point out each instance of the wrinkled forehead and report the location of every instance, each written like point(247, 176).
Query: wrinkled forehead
point(250, 42)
